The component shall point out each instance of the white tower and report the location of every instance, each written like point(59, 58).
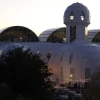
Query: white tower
point(76, 19)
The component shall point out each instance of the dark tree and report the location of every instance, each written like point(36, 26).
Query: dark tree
point(93, 86)
point(25, 74)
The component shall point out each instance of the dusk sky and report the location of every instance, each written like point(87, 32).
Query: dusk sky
point(39, 15)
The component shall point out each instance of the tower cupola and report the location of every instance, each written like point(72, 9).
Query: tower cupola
point(76, 19)
point(77, 13)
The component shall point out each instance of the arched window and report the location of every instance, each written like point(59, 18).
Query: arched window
point(72, 16)
point(82, 16)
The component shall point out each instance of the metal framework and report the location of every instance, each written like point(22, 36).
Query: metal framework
point(17, 34)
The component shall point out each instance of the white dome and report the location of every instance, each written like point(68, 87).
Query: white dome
point(82, 56)
point(79, 12)
point(66, 58)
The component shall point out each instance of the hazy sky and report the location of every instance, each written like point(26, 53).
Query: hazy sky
point(39, 15)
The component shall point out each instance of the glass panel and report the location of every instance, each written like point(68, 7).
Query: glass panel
point(57, 36)
point(18, 34)
point(96, 38)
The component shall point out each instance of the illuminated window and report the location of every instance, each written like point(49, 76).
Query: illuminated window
point(72, 16)
point(72, 73)
point(82, 16)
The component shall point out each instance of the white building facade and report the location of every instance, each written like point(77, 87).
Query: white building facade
point(73, 58)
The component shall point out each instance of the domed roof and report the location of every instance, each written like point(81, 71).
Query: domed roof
point(79, 11)
point(77, 6)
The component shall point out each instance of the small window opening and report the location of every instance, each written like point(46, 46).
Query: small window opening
point(72, 16)
point(82, 16)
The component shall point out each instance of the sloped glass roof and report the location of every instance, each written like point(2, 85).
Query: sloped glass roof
point(52, 33)
point(3, 29)
point(92, 33)
point(17, 33)
point(45, 34)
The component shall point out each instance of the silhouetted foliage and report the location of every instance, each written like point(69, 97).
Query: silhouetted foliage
point(25, 74)
point(93, 86)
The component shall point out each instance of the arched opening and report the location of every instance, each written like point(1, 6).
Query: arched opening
point(72, 33)
point(82, 16)
point(72, 16)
